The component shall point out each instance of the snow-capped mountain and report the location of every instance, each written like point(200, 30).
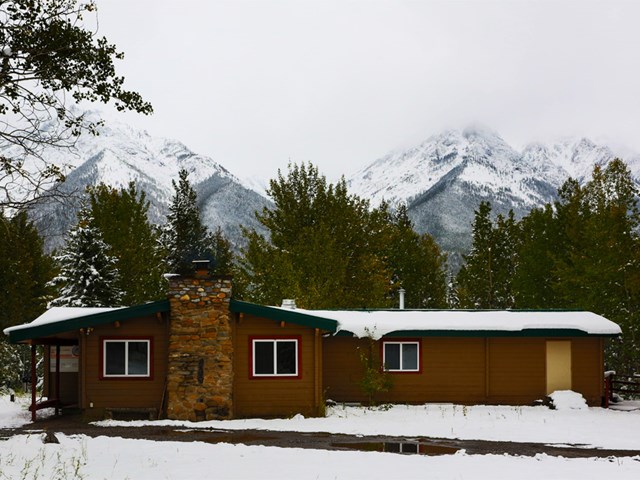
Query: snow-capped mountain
point(443, 179)
point(121, 154)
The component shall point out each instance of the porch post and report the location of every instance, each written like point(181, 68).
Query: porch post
point(33, 382)
point(57, 377)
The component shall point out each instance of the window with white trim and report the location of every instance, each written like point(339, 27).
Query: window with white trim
point(276, 357)
point(126, 358)
point(401, 356)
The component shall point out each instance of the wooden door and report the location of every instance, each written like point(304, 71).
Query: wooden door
point(558, 365)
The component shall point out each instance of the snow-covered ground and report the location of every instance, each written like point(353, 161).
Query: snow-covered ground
point(573, 424)
point(77, 456)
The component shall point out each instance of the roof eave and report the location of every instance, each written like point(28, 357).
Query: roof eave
point(285, 315)
point(24, 335)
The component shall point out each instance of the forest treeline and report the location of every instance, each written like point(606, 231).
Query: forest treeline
point(328, 248)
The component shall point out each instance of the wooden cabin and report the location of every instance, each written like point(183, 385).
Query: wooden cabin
point(201, 355)
point(459, 356)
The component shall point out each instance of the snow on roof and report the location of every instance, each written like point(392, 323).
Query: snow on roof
point(60, 314)
point(377, 323)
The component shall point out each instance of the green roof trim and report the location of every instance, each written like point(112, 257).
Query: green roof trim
point(121, 314)
point(284, 315)
point(530, 332)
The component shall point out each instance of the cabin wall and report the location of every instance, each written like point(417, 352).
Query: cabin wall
point(465, 370)
point(277, 396)
point(587, 368)
point(105, 393)
point(452, 371)
point(517, 370)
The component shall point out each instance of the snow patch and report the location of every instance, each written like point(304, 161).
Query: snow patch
point(568, 400)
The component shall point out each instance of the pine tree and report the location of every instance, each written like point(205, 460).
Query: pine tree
point(222, 253)
point(534, 277)
point(24, 271)
point(506, 241)
point(417, 263)
point(600, 271)
point(485, 280)
point(88, 276)
point(184, 237)
point(121, 217)
point(475, 280)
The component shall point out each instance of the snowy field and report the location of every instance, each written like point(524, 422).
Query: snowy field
point(25, 456)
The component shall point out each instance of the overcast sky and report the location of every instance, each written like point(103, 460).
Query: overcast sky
point(256, 84)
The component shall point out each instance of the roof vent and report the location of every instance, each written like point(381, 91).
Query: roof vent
point(289, 303)
point(401, 293)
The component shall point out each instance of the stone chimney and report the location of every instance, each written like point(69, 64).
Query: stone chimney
point(200, 368)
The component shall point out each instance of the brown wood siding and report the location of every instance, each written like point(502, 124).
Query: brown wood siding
point(270, 397)
point(342, 369)
point(126, 392)
point(517, 370)
point(452, 371)
point(587, 369)
point(465, 370)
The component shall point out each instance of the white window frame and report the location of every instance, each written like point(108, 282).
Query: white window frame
point(401, 343)
point(126, 342)
point(275, 342)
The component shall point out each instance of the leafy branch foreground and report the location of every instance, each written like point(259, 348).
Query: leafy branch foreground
point(50, 58)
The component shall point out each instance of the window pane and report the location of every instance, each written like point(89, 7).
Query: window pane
point(114, 358)
point(286, 358)
point(263, 358)
point(392, 356)
point(409, 356)
point(138, 354)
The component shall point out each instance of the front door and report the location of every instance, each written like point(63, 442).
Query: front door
point(558, 365)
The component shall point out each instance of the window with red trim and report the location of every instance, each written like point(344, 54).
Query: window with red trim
point(275, 357)
point(401, 356)
point(129, 358)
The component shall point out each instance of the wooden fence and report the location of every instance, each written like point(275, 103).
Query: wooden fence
point(623, 385)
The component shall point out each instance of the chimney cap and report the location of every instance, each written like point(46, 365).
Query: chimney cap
point(201, 266)
point(202, 263)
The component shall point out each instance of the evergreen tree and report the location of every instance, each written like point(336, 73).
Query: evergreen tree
point(534, 277)
point(121, 217)
point(323, 247)
point(222, 253)
point(484, 281)
point(88, 275)
point(24, 271)
point(475, 278)
point(599, 270)
point(185, 238)
point(506, 241)
point(417, 263)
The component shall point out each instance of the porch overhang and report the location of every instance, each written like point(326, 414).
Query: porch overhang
point(44, 332)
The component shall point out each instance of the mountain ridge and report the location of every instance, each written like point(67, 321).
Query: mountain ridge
point(441, 180)
point(444, 178)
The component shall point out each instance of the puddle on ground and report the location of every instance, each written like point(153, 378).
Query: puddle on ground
point(244, 439)
point(218, 436)
point(408, 448)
